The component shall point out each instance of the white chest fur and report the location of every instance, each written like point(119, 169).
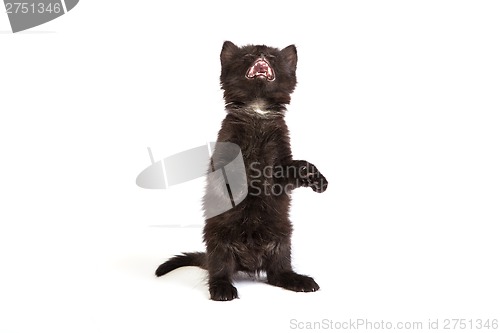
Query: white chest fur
point(259, 108)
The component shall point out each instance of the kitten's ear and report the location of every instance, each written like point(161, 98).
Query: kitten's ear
point(289, 54)
point(228, 51)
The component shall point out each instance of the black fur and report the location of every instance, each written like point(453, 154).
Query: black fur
point(255, 235)
point(185, 259)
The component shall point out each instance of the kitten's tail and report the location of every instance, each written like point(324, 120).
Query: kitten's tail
point(185, 259)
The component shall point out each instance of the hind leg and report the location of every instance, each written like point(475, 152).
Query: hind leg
point(281, 274)
point(293, 281)
point(221, 267)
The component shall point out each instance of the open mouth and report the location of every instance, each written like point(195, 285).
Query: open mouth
point(261, 69)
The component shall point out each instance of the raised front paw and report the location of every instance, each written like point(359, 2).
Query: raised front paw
point(311, 177)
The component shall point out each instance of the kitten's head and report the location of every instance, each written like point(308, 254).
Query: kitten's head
point(258, 72)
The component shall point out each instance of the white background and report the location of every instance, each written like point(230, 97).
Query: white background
point(397, 104)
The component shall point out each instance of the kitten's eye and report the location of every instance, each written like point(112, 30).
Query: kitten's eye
point(248, 56)
point(270, 56)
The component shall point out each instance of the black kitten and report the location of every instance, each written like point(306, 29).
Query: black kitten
point(254, 235)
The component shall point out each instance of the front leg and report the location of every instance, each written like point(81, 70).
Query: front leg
point(300, 173)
